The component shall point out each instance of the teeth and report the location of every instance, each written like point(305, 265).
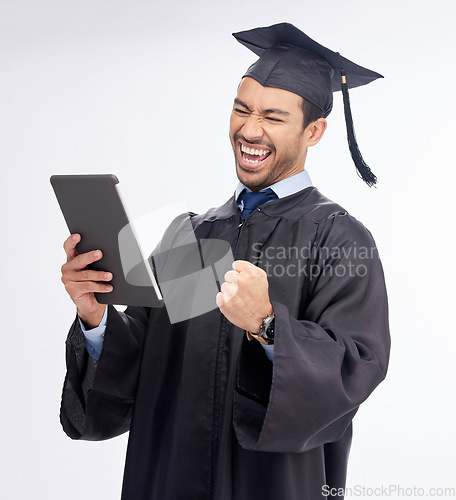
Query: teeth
point(249, 151)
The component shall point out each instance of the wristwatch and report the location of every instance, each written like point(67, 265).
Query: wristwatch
point(266, 333)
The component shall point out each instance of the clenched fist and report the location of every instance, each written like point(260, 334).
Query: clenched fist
point(244, 296)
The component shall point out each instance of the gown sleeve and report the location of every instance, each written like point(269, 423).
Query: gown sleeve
point(328, 360)
point(98, 396)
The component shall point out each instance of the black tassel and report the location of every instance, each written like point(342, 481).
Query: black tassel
point(363, 169)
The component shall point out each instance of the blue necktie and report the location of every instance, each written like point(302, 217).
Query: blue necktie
point(253, 200)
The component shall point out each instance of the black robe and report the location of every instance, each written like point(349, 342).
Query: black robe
point(210, 417)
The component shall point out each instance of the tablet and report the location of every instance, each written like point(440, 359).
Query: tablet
point(92, 207)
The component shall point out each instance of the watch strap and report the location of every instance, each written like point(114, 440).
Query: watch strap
point(266, 333)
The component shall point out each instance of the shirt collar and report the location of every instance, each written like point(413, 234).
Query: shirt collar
point(285, 187)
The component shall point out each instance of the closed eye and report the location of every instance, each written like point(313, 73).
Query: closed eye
point(271, 119)
point(241, 111)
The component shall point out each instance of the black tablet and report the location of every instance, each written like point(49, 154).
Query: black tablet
point(92, 207)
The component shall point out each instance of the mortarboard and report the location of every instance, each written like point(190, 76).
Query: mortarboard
point(290, 60)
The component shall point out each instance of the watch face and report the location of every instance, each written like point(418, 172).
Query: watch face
point(267, 328)
point(270, 330)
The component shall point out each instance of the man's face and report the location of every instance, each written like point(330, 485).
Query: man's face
point(267, 135)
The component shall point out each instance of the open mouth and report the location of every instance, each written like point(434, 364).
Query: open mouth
point(253, 156)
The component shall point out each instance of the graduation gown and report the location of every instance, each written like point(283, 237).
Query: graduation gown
point(210, 417)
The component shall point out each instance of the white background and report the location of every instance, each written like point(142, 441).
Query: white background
point(143, 89)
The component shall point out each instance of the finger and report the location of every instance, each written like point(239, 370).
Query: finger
point(242, 266)
point(219, 300)
point(77, 289)
point(87, 275)
point(231, 276)
point(83, 260)
point(229, 290)
point(70, 246)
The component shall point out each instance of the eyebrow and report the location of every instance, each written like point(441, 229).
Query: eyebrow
point(269, 111)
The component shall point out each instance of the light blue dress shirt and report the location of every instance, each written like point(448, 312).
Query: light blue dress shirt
point(95, 336)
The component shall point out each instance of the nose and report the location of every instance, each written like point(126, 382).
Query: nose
point(252, 129)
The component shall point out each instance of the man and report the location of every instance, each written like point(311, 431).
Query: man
point(255, 398)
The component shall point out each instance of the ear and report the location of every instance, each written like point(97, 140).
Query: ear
point(315, 130)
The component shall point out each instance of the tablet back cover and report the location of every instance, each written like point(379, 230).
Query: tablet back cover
point(93, 208)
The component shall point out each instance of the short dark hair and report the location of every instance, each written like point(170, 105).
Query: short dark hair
point(310, 111)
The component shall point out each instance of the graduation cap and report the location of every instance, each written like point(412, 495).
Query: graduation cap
point(290, 60)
